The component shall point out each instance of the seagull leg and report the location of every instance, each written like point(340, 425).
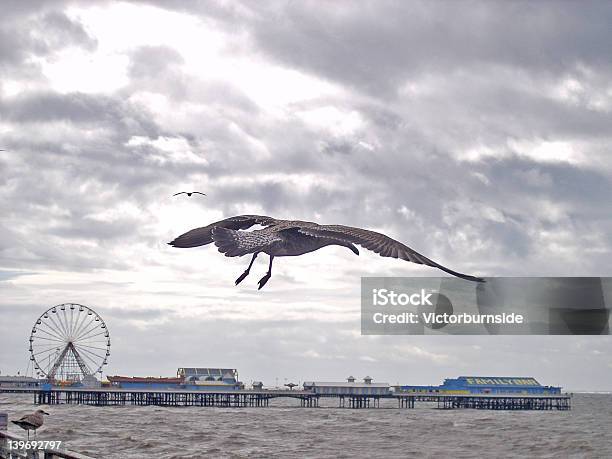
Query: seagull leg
point(246, 273)
point(266, 278)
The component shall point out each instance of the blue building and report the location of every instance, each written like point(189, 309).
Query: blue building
point(485, 385)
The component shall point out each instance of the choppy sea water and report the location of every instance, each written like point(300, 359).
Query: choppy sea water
point(285, 430)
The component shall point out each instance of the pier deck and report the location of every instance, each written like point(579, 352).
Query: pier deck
point(505, 402)
point(308, 399)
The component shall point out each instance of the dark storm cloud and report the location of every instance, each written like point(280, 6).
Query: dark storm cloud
point(106, 231)
point(63, 182)
point(561, 182)
point(500, 98)
point(380, 44)
point(337, 146)
point(73, 107)
point(391, 41)
point(159, 69)
point(36, 28)
point(423, 82)
point(410, 162)
point(18, 9)
point(62, 31)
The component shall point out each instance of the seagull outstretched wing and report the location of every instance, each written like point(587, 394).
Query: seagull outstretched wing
point(378, 243)
point(189, 193)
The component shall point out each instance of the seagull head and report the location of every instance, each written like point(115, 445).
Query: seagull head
point(42, 412)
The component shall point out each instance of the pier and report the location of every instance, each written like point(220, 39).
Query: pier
point(225, 399)
point(307, 399)
point(505, 402)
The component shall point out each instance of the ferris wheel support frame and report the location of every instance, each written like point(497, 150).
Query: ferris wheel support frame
point(70, 341)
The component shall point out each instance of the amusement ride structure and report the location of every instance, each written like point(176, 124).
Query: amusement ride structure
point(69, 342)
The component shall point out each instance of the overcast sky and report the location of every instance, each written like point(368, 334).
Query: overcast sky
point(476, 132)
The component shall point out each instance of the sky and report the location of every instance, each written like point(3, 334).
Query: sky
point(478, 133)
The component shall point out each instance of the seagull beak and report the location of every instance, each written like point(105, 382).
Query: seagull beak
point(44, 412)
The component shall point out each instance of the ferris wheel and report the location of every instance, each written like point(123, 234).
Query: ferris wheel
point(69, 342)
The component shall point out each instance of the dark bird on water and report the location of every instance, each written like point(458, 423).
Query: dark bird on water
point(32, 421)
point(285, 238)
point(189, 193)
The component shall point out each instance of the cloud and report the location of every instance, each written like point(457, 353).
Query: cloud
point(32, 31)
point(382, 45)
point(478, 135)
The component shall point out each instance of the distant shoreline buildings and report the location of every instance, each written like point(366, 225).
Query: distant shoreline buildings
point(227, 379)
point(222, 379)
point(19, 382)
point(350, 387)
point(464, 385)
point(186, 378)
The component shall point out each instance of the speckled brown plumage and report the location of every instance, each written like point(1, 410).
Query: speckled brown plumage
point(293, 238)
point(31, 421)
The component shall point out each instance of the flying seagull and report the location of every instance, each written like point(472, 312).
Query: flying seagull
point(31, 421)
point(284, 238)
point(189, 193)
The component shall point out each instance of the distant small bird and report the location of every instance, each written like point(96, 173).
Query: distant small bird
point(31, 421)
point(189, 193)
point(283, 238)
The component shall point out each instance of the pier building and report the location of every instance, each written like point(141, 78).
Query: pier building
point(18, 381)
point(136, 382)
point(466, 385)
point(350, 387)
point(187, 378)
point(203, 378)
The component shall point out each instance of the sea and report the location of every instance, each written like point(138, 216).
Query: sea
point(284, 430)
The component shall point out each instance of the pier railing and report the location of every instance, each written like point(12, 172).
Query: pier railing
point(308, 399)
point(504, 402)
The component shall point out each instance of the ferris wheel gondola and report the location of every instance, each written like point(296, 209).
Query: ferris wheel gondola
point(68, 342)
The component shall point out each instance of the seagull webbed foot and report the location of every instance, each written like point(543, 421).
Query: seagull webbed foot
point(242, 276)
point(263, 281)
